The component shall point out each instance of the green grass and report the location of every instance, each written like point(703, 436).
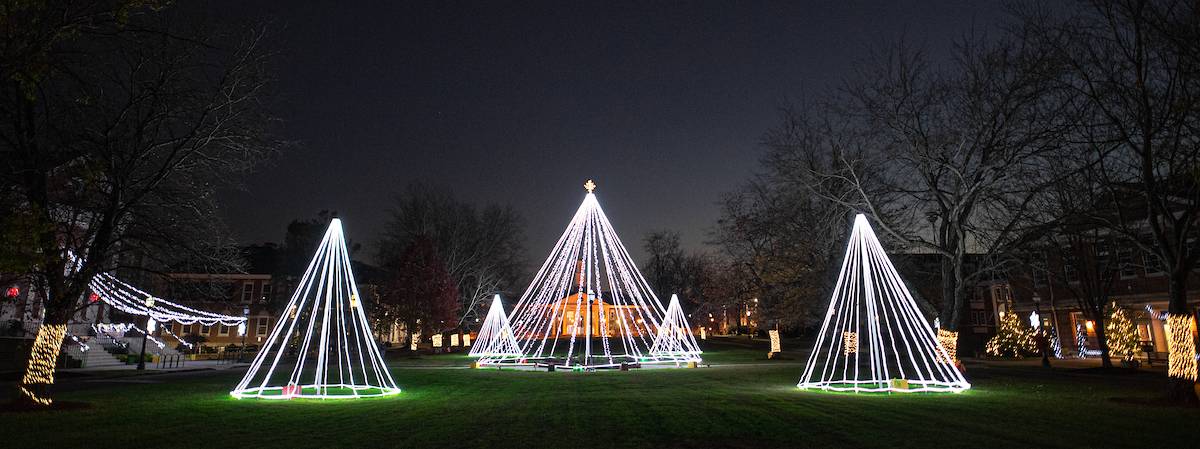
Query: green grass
point(742, 404)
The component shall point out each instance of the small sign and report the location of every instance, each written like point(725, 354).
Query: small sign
point(466, 340)
point(849, 342)
point(413, 346)
point(774, 340)
point(437, 340)
point(703, 333)
point(453, 340)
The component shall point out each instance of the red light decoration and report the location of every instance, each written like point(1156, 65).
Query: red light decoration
point(93, 297)
point(12, 292)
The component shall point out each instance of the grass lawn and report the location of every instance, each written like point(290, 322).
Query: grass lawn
point(738, 404)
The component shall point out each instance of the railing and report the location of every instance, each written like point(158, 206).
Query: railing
point(170, 361)
point(231, 357)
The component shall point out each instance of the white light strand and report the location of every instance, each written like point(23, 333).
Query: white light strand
point(895, 346)
point(675, 336)
point(588, 291)
point(495, 337)
point(331, 353)
point(131, 300)
point(83, 347)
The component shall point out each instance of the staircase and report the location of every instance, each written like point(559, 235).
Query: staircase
point(94, 357)
point(135, 346)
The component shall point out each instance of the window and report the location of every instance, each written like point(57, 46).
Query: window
point(1069, 273)
point(266, 292)
point(262, 326)
point(979, 318)
point(1103, 259)
point(205, 329)
point(1152, 263)
point(1125, 260)
point(247, 291)
point(223, 330)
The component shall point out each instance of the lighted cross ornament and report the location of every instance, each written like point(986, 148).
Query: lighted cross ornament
point(589, 185)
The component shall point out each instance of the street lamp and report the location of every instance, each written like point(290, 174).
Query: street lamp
point(243, 329)
point(1042, 343)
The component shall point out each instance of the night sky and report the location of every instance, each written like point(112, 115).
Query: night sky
point(662, 103)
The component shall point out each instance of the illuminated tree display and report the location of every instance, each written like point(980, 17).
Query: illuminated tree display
point(1123, 340)
point(588, 306)
point(322, 346)
point(1011, 339)
point(675, 335)
point(874, 337)
point(495, 336)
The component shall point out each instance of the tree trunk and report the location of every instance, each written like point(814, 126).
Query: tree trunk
point(949, 291)
point(1181, 360)
point(34, 388)
point(1102, 340)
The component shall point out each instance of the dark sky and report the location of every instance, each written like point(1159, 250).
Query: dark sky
point(663, 103)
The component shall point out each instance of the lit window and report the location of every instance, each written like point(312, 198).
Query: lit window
point(1125, 259)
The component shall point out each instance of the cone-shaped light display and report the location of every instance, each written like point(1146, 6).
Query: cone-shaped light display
point(322, 346)
point(874, 337)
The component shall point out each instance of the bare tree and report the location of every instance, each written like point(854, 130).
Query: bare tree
point(946, 160)
point(1136, 64)
point(483, 249)
point(783, 243)
point(115, 133)
point(1077, 252)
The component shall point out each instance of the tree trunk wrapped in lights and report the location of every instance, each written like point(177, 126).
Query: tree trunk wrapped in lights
point(1181, 358)
point(588, 306)
point(874, 337)
point(1011, 339)
point(39, 375)
point(949, 340)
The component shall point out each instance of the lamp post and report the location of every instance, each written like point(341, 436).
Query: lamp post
point(245, 329)
point(145, 333)
point(1042, 343)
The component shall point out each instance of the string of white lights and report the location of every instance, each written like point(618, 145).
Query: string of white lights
point(894, 346)
point(322, 346)
point(495, 335)
point(83, 347)
point(674, 335)
point(588, 306)
point(131, 300)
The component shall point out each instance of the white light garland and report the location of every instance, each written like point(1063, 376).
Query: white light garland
point(129, 299)
point(897, 350)
point(335, 355)
point(588, 306)
point(495, 336)
point(675, 335)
